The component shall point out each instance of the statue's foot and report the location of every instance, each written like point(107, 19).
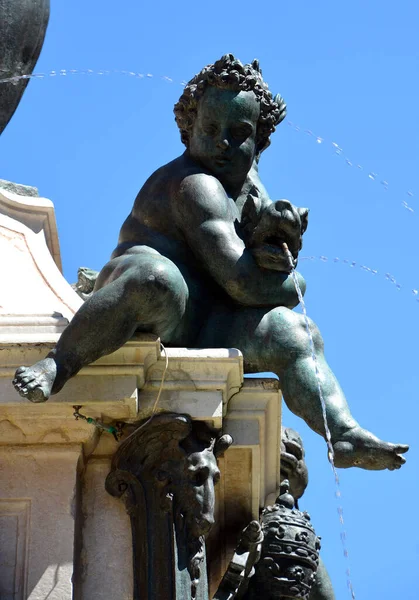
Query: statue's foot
point(358, 447)
point(35, 383)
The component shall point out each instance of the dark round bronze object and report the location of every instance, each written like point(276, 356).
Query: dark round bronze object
point(23, 24)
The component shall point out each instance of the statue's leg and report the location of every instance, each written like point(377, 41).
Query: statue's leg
point(276, 340)
point(139, 291)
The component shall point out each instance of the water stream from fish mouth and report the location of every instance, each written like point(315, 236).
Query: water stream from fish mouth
point(330, 449)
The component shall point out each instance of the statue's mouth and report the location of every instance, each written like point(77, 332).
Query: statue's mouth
point(275, 244)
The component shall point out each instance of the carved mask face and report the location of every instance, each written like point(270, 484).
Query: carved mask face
point(224, 133)
point(293, 466)
point(200, 476)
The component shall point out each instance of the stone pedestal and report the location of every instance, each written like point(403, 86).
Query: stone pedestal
point(62, 536)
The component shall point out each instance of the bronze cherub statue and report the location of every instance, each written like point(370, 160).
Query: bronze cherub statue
point(182, 269)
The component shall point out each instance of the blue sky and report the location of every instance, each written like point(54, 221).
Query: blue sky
point(348, 72)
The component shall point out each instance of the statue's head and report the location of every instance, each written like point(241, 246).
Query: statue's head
point(267, 229)
point(226, 115)
point(293, 466)
point(192, 479)
point(176, 459)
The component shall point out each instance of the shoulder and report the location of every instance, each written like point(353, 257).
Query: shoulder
point(194, 185)
point(196, 181)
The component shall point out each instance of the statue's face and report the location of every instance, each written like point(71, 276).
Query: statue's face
point(293, 466)
point(224, 134)
point(199, 476)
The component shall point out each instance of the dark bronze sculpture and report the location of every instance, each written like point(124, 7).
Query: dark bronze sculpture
point(241, 568)
point(279, 558)
point(165, 472)
point(290, 553)
point(23, 24)
point(294, 470)
point(182, 269)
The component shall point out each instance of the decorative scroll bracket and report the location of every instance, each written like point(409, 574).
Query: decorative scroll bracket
point(165, 472)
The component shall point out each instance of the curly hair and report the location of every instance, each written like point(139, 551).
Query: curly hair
point(229, 73)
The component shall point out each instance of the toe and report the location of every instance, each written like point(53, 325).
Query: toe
point(401, 448)
point(31, 385)
point(20, 370)
point(37, 395)
point(26, 379)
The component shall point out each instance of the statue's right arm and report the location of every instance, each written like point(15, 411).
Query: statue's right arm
point(206, 217)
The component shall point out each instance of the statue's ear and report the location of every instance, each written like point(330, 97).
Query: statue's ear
point(222, 444)
point(256, 65)
point(250, 211)
point(303, 212)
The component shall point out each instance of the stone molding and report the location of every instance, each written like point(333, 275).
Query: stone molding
point(37, 302)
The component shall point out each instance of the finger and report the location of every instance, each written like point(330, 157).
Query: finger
point(401, 448)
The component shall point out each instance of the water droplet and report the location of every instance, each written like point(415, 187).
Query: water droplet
point(323, 258)
point(372, 176)
point(353, 263)
point(348, 162)
point(410, 194)
point(336, 259)
point(415, 292)
point(319, 140)
point(149, 75)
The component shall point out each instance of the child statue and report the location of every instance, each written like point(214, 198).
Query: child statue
point(182, 269)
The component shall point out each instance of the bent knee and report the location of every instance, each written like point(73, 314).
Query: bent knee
point(289, 332)
point(161, 278)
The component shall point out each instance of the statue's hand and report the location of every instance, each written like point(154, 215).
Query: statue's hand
point(278, 222)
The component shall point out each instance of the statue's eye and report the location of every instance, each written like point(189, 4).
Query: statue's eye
point(198, 478)
point(210, 129)
point(241, 132)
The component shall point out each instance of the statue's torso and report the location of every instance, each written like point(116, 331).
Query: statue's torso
point(152, 221)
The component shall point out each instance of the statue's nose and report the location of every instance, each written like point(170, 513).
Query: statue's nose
point(205, 524)
point(223, 143)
